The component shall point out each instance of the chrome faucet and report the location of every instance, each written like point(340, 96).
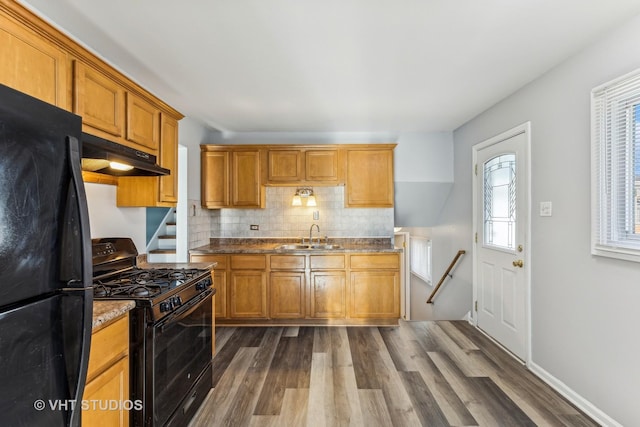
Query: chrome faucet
point(311, 233)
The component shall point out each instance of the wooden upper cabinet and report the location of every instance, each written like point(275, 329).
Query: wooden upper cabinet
point(32, 64)
point(155, 191)
point(285, 165)
point(169, 159)
point(299, 165)
point(369, 181)
point(322, 166)
point(246, 190)
point(214, 179)
point(99, 100)
point(231, 177)
point(143, 122)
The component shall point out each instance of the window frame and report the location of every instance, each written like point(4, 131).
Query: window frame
point(615, 129)
point(420, 264)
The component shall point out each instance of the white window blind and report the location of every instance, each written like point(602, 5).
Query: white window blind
point(421, 257)
point(616, 168)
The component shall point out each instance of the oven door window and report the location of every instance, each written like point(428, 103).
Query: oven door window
point(181, 352)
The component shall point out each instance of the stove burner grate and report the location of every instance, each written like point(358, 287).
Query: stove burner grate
point(142, 283)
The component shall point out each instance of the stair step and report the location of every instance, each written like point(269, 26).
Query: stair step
point(161, 255)
point(167, 236)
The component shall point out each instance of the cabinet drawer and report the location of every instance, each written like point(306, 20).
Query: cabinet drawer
point(220, 259)
point(287, 262)
point(248, 262)
point(108, 345)
point(378, 261)
point(326, 262)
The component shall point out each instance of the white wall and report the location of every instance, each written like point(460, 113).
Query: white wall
point(423, 177)
point(424, 157)
point(583, 307)
point(191, 134)
point(107, 220)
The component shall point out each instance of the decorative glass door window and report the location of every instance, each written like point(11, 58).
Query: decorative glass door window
point(500, 201)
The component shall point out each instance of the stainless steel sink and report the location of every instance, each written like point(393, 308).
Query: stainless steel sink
point(292, 247)
point(326, 247)
point(298, 247)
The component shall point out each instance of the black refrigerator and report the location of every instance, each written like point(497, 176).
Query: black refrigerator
point(46, 303)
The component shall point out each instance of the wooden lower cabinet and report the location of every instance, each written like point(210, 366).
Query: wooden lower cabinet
point(287, 295)
point(108, 376)
point(112, 386)
point(220, 283)
point(375, 286)
point(248, 294)
point(331, 287)
point(328, 294)
point(375, 294)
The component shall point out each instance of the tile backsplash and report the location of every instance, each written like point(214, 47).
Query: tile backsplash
point(280, 219)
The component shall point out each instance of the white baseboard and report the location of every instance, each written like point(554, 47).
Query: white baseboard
point(582, 403)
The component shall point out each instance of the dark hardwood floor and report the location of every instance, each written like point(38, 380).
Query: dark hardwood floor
point(419, 373)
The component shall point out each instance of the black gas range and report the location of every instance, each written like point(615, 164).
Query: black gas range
point(170, 330)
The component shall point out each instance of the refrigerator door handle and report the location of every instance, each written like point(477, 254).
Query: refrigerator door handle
point(83, 212)
point(77, 379)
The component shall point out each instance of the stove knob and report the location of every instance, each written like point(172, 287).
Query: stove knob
point(166, 306)
point(177, 301)
point(201, 286)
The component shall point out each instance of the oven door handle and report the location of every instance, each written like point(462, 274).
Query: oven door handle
point(186, 309)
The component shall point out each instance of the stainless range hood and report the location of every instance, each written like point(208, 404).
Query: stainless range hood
point(107, 157)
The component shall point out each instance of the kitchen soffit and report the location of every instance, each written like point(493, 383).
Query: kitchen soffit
point(335, 66)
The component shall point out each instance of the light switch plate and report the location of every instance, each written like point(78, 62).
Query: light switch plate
point(316, 215)
point(546, 208)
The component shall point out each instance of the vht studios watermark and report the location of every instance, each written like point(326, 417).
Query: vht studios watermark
point(86, 405)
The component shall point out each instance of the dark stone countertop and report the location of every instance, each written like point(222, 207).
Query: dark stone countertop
point(269, 246)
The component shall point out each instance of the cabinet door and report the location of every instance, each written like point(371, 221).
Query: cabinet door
point(375, 294)
point(322, 165)
point(169, 159)
point(32, 65)
point(110, 386)
point(284, 165)
point(248, 297)
point(287, 295)
point(369, 180)
point(220, 283)
point(99, 100)
point(214, 180)
point(143, 123)
point(245, 181)
point(328, 294)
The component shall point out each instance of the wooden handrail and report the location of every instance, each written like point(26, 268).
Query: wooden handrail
point(444, 276)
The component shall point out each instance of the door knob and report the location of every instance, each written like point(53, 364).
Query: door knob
point(518, 263)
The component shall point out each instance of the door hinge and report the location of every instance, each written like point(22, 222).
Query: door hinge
point(476, 238)
point(476, 305)
point(475, 169)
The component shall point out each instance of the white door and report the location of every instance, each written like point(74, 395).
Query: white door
point(501, 222)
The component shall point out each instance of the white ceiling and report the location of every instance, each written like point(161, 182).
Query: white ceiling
point(335, 65)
